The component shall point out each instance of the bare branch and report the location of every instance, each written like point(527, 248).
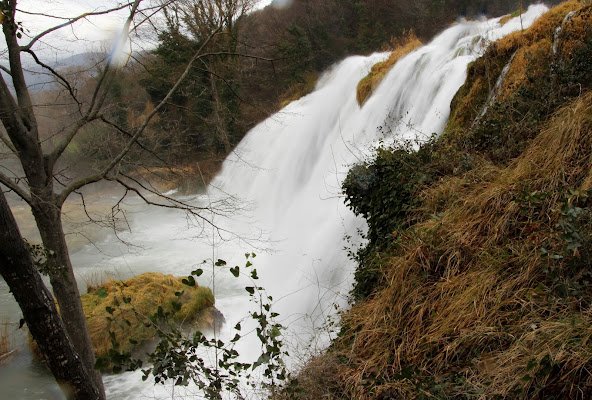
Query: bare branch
point(177, 205)
point(102, 174)
point(25, 109)
point(70, 22)
point(63, 81)
point(129, 135)
point(98, 95)
point(8, 143)
point(10, 184)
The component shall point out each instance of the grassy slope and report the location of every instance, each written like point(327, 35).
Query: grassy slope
point(486, 293)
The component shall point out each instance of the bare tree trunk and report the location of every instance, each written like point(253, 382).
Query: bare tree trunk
point(39, 311)
point(219, 117)
point(63, 282)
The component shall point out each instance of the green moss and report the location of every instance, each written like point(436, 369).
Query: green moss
point(124, 307)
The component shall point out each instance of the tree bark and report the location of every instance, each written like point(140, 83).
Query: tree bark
point(18, 269)
point(63, 282)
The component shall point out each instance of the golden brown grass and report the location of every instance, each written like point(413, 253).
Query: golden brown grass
point(531, 55)
point(6, 349)
point(147, 292)
point(401, 47)
point(466, 294)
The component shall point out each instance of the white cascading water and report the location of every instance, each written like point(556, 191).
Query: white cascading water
point(289, 171)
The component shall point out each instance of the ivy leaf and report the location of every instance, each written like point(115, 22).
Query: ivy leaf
point(250, 289)
point(220, 263)
point(236, 338)
point(235, 271)
point(197, 272)
point(101, 293)
point(190, 281)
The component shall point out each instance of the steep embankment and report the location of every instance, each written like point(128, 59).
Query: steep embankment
point(476, 282)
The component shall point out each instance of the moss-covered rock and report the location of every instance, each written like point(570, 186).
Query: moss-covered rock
point(123, 308)
point(120, 311)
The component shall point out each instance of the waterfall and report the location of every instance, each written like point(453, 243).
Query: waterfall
point(289, 169)
point(286, 176)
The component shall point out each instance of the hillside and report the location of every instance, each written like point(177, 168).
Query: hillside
point(475, 282)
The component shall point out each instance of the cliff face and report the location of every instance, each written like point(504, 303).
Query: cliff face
point(483, 290)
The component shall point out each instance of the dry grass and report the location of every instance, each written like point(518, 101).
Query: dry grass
point(401, 47)
point(6, 349)
point(466, 295)
point(147, 292)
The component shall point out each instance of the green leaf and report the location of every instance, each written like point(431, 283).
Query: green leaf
point(190, 281)
point(102, 293)
point(235, 271)
point(110, 310)
point(275, 332)
point(197, 272)
point(220, 263)
point(250, 289)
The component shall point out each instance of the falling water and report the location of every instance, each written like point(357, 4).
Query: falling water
point(287, 174)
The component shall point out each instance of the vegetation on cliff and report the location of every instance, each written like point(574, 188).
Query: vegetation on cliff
point(476, 282)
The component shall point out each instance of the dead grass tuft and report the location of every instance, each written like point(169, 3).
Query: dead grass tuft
point(6, 348)
point(147, 293)
point(401, 47)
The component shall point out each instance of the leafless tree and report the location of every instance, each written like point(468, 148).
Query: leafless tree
point(42, 185)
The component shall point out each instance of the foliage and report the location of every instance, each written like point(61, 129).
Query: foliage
point(180, 357)
point(385, 191)
point(296, 49)
point(545, 71)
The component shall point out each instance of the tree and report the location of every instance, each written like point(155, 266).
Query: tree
point(45, 188)
point(39, 311)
